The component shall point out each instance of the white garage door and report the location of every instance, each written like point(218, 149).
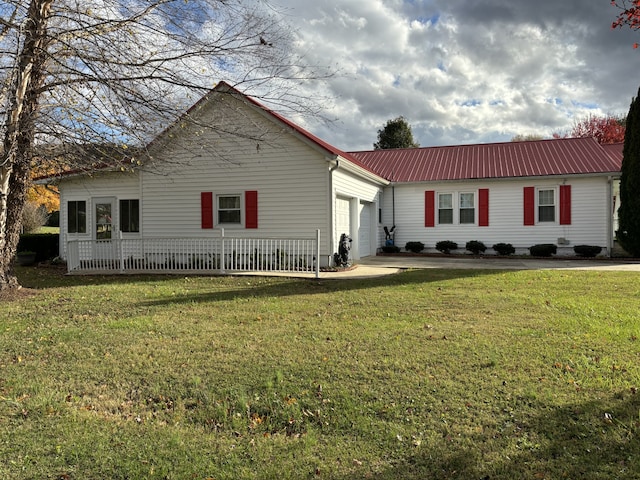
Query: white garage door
point(364, 232)
point(343, 223)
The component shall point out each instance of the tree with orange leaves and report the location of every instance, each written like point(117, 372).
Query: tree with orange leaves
point(629, 15)
point(605, 129)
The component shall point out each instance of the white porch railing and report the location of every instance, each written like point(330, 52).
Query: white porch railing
point(194, 255)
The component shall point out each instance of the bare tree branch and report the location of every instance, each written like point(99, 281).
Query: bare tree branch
point(81, 78)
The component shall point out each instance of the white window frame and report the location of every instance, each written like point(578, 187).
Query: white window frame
point(473, 207)
point(121, 216)
point(452, 208)
point(240, 209)
point(554, 205)
point(456, 206)
point(87, 216)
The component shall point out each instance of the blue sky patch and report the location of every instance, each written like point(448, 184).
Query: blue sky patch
point(471, 103)
point(587, 105)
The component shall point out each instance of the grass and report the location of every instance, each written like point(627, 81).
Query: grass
point(46, 229)
point(425, 374)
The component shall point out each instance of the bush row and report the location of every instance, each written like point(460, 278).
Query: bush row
point(477, 248)
point(45, 245)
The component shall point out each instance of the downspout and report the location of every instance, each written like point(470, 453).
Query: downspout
point(331, 211)
point(393, 204)
point(393, 199)
point(610, 238)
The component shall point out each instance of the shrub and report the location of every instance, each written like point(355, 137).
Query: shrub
point(504, 249)
point(390, 249)
point(33, 217)
point(543, 250)
point(415, 247)
point(44, 244)
point(54, 219)
point(445, 246)
point(587, 250)
point(476, 247)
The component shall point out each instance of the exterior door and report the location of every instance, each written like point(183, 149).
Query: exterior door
point(364, 231)
point(103, 209)
point(343, 219)
point(104, 249)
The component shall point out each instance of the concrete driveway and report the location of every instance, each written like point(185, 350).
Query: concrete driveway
point(378, 266)
point(489, 262)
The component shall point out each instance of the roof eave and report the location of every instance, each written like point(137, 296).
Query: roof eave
point(351, 167)
point(614, 174)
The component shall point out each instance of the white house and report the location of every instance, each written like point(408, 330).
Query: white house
point(232, 164)
point(559, 191)
point(229, 164)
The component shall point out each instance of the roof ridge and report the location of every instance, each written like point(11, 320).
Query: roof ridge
point(469, 145)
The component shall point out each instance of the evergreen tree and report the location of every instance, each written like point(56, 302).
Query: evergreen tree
point(395, 134)
point(629, 212)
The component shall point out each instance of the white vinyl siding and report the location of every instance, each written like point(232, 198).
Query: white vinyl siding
point(291, 177)
point(122, 185)
point(363, 198)
point(506, 209)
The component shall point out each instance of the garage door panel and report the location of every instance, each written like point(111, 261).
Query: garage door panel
point(364, 232)
point(343, 218)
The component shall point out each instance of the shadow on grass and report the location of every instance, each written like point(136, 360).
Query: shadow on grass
point(259, 287)
point(237, 287)
point(587, 441)
point(41, 278)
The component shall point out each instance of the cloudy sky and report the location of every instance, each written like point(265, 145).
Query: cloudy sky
point(464, 71)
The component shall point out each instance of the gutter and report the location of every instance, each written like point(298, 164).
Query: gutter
point(331, 208)
point(610, 232)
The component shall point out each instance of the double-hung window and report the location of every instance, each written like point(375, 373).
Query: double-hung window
point(77, 216)
point(546, 205)
point(130, 216)
point(445, 208)
point(467, 208)
point(229, 209)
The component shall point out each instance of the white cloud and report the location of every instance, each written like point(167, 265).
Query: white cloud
point(461, 75)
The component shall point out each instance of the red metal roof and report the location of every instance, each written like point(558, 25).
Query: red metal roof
point(571, 156)
point(614, 150)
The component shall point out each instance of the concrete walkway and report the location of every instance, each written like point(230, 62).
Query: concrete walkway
point(489, 262)
point(377, 266)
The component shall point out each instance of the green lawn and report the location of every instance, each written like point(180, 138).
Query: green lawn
point(49, 230)
point(426, 374)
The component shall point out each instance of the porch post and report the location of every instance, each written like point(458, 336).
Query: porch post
point(222, 255)
point(318, 253)
point(120, 250)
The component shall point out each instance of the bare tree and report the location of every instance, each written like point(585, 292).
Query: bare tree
point(83, 80)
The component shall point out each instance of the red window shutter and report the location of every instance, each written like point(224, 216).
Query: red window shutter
point(251, 209)
point(565, 204)
point(429, 208)
point(529, 205)
point(206, 209)
point(483, 204)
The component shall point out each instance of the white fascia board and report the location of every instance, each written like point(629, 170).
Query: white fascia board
point(350, 167)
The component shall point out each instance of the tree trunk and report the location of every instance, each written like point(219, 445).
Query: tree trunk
point(15, 164)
